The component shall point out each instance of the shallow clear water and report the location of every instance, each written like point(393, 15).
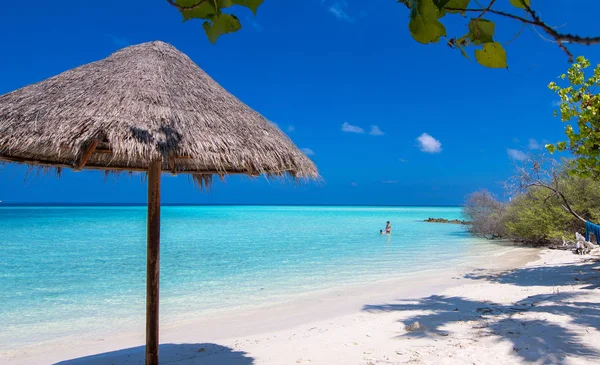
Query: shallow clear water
point(68, 271)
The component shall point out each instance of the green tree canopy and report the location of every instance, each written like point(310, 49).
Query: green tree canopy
point(580, 108)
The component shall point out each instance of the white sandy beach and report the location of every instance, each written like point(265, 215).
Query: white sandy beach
point(518, 308)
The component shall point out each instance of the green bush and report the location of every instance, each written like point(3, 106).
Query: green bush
point(537, 216)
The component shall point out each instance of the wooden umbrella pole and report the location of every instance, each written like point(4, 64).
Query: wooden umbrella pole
point(153, 263)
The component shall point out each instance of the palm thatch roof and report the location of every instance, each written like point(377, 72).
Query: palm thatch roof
point(143, 103)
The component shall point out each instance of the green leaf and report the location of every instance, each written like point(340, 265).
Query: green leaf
point(204, 11)
point(426, 31)
point(481, 31)
point(492, 55)
point(461, 43)
point(519, 3)
point(463, 52)
point(551, 148)
point(250, 4)
point(440, 3)
point(562, 146)
point(457, 4)
point(428, 10)
point(207, 9)
point(221, 24)
point(425, 27)
point(413, 9)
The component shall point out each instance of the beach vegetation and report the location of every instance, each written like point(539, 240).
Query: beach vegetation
point(579, 107)
point(486, 215)
point(216, 19)
point(427, 22)
point(546, 204)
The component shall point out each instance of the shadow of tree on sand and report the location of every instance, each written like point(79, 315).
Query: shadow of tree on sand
point(179, 354)
point(533, 339)
point(588, 272)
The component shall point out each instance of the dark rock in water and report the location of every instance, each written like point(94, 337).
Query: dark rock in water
point(444, 220)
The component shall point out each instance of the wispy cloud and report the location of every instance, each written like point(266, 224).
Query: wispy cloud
point(339, 9)
point(118, 41)
point(555, 103)
point(402, 160)
point(428, 144)
point(390, 182)
point(376, 131)
point(533, 144)
point(291, 128)
point(256, 25)
point(347, 127)
point(517, 155)
point(308, 151)
point(353, 184)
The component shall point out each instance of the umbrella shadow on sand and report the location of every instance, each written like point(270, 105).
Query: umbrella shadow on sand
point(178, 354)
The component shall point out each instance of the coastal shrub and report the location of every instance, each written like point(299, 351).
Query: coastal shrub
point(535, 219)
point(584, 195)
point(548, 204)
point(537, 214)
point(486, 215)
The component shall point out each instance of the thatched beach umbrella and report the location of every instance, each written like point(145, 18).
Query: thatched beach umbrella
point(145, 108)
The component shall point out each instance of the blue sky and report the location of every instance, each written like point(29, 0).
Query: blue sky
point(387, 120)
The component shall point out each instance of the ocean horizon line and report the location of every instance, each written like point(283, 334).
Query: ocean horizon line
point(112, 204)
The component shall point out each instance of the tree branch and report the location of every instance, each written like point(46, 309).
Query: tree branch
point(487, 9)
point(554, 34)
point(558, 193)
point(536, 21)
point(184, 8)
point(540, 177)
point(568, 207)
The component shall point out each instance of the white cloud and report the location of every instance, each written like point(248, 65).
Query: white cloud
point(389, 181)
point(428, 144)
point(346, 127)
point(556, 103)
point(402, 160)
point(533, 144)
point(376, 131)
point(353, 184)
point(308, 151)
point(291, 128)
point(516, 154)
point(339, 9)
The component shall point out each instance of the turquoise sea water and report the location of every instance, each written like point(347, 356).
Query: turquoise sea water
point(69, 271)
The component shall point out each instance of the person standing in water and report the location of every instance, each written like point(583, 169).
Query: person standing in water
point(388, 228)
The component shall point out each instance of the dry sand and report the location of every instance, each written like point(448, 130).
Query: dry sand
point(505, 311)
